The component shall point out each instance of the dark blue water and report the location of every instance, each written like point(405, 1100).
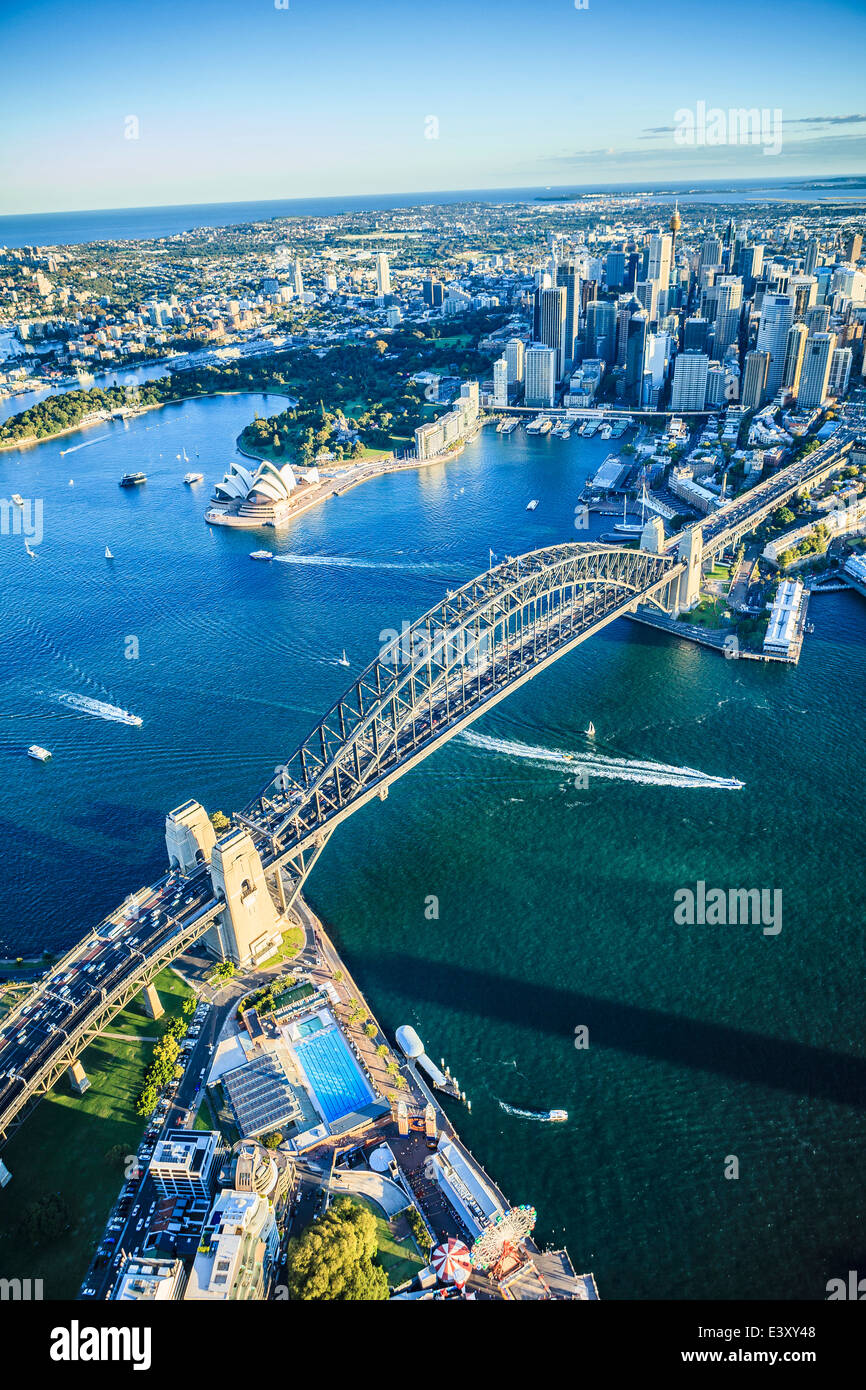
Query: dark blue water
point(123, 224)
point(555, 900)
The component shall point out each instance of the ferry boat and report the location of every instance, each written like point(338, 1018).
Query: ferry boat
point(589, 429)
point(530, 506)
point(191, 478)
point(133, 479)
point(41, 755)
point(506, 426)
point(535, 426)
point(618, 430)
point(562, 429)
point(261, 555)
point(605, 431)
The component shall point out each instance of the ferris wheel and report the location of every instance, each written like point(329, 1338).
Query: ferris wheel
point(505, 1233)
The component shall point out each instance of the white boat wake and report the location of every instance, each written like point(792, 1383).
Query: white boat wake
point(597, 765)
point(543, 1115)
point(85, 704)
point(86, 445)
point(350, 562)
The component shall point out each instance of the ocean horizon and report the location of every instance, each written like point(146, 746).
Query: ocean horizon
point(144, 223)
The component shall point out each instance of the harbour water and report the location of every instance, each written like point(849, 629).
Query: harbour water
point(554, 877)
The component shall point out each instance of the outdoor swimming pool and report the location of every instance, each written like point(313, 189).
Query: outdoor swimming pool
point(333, 1074)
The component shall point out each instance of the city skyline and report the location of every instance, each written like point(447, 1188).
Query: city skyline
point(287, 107)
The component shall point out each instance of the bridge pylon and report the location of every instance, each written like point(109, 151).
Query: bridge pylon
point(691, 552)
point(189, 837)
point(249, 925)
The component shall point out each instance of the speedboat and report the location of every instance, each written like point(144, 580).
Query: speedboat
point(261, 555)
point(557, 1115)
point(18, 499)
point(343, 660)
point(41, 755)
point(133, 479)
point(193, 478)
point(530, 506)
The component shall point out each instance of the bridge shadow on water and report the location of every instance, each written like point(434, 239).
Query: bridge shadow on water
point(718, 1048)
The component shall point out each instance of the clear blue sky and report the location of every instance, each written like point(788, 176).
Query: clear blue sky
point(237, 99)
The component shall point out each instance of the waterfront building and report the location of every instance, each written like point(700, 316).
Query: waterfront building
point(816, 370)
point(553, 304)
point(783, 628)
point(500, 381)
point(514, 352)
point(540, 375)
point(184, 1162)
point(689, 389)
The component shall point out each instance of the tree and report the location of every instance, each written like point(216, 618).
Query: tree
point(333, 1259)
point(44, 1219)
point(273, 1140)
point(219, 821)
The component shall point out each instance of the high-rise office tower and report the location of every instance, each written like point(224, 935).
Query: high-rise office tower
point(540, 375)
point(659, 262)
point(840, 371)
point(614, 270)
point(811, 258)
point(711, 253)
point(514, 350)
point(568, 279)
point(795, 346)
point(695, 334)
point(298, 277)
point(755, 379)
point(553, 303)
point(853, 247)
point(750, 264)
point(383, 274)
point(500, 381)
point(818, 319)
point(816, 370)
point(647, 292)
point(716, 382)
point(635, 357)
point(804, 289)
point(631, 270)
point(777, 315)
point(601, 330)
point(689, 388)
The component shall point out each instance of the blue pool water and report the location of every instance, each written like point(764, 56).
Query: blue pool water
point(333, 1074)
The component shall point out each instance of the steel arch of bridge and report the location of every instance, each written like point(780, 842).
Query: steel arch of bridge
point(436, 676)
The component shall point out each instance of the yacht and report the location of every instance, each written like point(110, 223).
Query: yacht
point(590, 732)
point(261, 555)
point(191, 478)
point(559, 1115)
point(605, 432)
point(40, 754)
point(632, 528)
point(108, 554)
point(18, 499)
point(530, 506)
point(343, 660)
point(133, 479)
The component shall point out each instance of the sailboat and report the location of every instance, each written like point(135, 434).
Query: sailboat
point(590, 732)
point(108, 554)
point(343, 660)
point(632, 528)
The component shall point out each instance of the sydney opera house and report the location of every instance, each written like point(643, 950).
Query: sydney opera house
point(261, 496)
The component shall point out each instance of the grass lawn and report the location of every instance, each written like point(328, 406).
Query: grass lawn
point(399, 1258)
point(172, 991)
point(708, 613)
point(62, 1148)
point(292, 941)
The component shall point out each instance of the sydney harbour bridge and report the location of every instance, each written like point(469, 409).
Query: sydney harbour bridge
point(423, 687)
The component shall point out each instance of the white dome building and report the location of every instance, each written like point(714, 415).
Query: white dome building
point(260, 498)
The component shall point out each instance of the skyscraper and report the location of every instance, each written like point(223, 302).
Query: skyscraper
point(659, 264)
point(811, 257)
point(689, 388)
point(568, 279)
point(553, 304)
point(298, 278)
point(711, 252)
point(514, 350)
point(540, 375)
point(695, 334)
point(795, 346)
point(777, 315)
point(840, 371)
point(614, 270)
point(818, 319)
point(500, 381)
point(383, 274)
point(601, 330)
point(755, 379)
point(816, 370)
point(635, 357)
point(853, 247)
